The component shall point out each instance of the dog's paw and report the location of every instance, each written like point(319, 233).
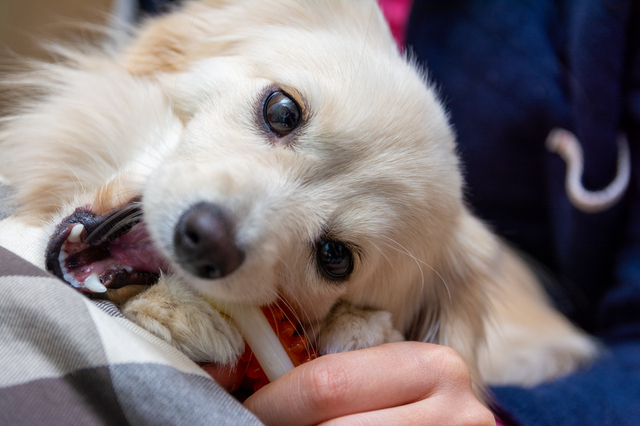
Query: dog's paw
point(349, 328)
point(522, 357)
point(177, 315)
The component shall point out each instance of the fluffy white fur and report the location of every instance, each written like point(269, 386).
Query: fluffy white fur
point(174, 116)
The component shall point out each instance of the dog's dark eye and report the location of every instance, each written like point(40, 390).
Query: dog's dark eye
point(334, 259)
point(281, 113)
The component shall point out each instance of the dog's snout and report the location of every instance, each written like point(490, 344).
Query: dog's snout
point(204, 242)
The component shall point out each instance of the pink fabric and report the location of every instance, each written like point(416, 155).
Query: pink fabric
point(499, 422)
point(397, 14)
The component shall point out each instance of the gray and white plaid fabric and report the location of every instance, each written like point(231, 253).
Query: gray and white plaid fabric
point(66, 361)
point(6, 201)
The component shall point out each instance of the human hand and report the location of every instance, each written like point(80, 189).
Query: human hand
point(405, 383)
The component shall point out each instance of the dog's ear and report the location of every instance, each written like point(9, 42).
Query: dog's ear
point(455, 307)
point(171, 43)
point(204, 29)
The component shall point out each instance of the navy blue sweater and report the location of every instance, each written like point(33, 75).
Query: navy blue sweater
point(509, 71)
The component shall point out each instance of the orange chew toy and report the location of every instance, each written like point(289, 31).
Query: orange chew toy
point(294, 343)
point(287, 341)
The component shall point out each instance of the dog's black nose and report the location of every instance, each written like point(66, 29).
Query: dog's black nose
point(204, 242)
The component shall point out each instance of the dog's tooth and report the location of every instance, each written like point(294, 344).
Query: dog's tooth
point(71, 279)
point(65, 272)
point(76, 232)
point(93, 284)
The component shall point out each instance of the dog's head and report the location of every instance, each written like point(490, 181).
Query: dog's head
point(272, 149)
point(315, 163)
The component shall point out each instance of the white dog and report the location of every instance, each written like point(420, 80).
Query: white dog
point(260, 151)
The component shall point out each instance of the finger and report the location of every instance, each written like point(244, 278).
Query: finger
point(432, 411)
point(354, 382)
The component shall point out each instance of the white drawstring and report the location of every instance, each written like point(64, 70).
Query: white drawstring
point(565, 144)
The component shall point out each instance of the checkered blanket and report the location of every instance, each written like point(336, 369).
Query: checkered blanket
point(65, 360)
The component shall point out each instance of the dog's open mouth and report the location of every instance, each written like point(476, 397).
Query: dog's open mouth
point(96, 254)
point(93, 253)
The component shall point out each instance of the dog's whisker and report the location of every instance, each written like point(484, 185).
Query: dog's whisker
point(418, 261)
point(288, 270)
point(364, 44)
point(296, 319)
point(386, 257)
point(121, 224)
point(71, 170)
point(115, 216)
point(124, 194)
point(415, 259)
point(60, 197)
point(306, 314)
point(315, 314)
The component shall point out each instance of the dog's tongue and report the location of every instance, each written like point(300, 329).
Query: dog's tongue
point(136, 250)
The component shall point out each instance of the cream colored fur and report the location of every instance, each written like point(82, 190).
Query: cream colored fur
point(174, 116)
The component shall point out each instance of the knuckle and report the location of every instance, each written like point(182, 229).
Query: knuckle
point(472, 412)
point(480, 416)
point(447, 361)
point(452, 364)
point(326, 384)
point(447, 355)
point(430, 357)
point(447, 369)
